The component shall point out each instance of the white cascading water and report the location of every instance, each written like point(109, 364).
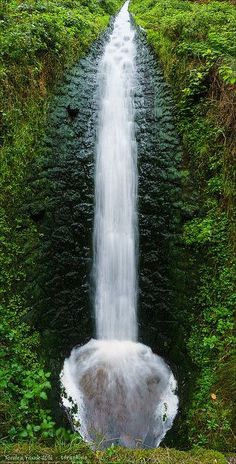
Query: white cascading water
point(115, 189)
point(122, 391)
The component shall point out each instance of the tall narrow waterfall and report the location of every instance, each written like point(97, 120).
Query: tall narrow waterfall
point(124, 393)
point(115, 188)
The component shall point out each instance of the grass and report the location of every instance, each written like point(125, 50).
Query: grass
point(81, 454)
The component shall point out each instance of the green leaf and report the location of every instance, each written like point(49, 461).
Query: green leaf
point(43, 395)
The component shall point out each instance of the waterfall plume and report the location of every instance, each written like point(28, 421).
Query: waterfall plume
point(115, 231)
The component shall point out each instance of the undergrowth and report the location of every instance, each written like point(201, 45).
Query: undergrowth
point(81, 454)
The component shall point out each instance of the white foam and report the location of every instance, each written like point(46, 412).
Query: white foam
point(125, 394)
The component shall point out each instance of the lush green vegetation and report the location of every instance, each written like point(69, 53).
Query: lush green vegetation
point(81, 454)
point(39, 40)
point(195, 43)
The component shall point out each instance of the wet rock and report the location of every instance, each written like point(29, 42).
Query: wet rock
point(159, 193)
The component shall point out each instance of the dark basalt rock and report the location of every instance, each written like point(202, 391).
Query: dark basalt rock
point(159, 158)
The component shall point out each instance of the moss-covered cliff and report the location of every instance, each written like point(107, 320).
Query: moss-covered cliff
point(195, 43)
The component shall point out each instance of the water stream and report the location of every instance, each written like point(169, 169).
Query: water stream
point(116, 188)
point(117, 390)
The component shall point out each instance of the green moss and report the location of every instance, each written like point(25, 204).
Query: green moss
point(81, 454)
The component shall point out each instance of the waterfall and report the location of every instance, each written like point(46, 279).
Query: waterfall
point(116, 188)
point(115, 389)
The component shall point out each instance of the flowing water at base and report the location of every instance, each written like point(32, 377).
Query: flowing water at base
point(124, 393)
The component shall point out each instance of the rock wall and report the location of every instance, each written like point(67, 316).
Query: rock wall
point(159, 157)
